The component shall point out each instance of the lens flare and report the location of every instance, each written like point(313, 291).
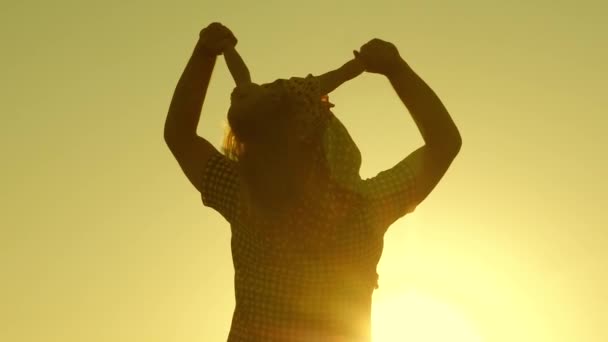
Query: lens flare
point(416, 317)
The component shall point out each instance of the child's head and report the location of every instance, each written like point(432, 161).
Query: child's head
point(262, 118)
point(269, 117)
point(274, 131)
point(254, 113)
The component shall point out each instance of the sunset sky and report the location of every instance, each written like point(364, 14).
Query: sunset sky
point(103, 239)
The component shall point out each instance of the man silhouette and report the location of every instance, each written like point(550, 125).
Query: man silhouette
point(307, 231)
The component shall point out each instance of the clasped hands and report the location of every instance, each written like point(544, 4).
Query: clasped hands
point(376, 56)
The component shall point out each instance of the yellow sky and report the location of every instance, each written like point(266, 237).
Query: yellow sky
point(103, 239)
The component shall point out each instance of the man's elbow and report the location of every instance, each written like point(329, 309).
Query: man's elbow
point(456, 144)
point(174, 135)
point(453, 143)
point(170, 137)
point(174, 139)
point(448, 149)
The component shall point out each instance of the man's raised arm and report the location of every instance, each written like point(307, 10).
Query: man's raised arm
point(187, 102)
point(190, 150)
point(442, 139)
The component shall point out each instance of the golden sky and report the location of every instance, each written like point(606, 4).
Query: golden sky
point(103, 239)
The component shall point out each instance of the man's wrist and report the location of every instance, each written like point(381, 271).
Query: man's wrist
point(398, 69)
point(204, 52)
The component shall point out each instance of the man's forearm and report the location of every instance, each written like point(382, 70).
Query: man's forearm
point(432, 118)
point(187, 102)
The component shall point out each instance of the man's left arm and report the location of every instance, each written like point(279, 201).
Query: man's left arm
point(429, 163)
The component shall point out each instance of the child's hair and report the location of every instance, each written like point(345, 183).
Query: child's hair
point(232, 147)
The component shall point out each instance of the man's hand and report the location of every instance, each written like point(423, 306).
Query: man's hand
point(216, 38)
point(380, 57)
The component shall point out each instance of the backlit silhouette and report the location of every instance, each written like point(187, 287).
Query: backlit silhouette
point(307, 231)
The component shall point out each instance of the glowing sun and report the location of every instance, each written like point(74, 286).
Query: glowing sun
point(415, 317)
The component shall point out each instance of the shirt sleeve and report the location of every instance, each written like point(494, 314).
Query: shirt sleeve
point(391, 194)
point(220, 186)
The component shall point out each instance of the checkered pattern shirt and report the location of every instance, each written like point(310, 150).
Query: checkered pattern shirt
point(310, 276)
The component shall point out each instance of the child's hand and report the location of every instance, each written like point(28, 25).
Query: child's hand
point(216, 38)
point(380, 57)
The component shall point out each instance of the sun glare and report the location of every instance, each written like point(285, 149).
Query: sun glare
point(416, 317)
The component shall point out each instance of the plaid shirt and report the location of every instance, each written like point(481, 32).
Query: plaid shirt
point(309, 276)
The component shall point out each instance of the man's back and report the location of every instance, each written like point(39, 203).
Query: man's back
point(311, 270)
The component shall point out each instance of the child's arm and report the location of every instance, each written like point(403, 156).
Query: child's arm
point(333, 79)
point(236, 65)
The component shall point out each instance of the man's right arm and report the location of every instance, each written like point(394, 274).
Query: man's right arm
point(191, 151)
